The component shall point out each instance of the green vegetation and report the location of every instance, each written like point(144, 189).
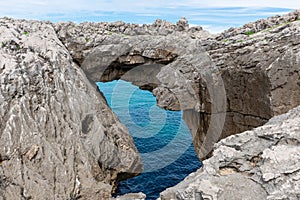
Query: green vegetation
point(240, 41)
point(249, 33)
point(268, 29)
point(110, 33)
point(124, 35)
point(276, 26)
point(273, 27)
point(3, 44)
point(87, 39)
point(25, 32)
point(298, 19)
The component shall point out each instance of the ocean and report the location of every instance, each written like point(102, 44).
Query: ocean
point(162, 138)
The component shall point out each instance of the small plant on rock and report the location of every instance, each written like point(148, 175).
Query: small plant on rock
point(249, 33)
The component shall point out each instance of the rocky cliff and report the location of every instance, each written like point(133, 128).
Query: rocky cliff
point(263, 163)
point(59, 139)
point(225, 83)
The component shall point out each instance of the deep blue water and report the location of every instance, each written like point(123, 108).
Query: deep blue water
point(161, 136)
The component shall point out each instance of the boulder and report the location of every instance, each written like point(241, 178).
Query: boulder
point(259, 164)
point(58, 137)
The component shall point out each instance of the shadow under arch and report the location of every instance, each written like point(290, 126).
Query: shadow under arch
point(178, 71)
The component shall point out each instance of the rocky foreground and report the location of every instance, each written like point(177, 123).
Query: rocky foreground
point(263, 163)
point(60, 140)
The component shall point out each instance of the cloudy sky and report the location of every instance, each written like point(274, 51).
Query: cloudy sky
point(214, 15)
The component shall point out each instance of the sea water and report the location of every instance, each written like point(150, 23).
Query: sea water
point(161, 137)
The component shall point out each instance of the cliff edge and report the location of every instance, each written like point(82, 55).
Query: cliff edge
point(58, 137)
point(60, 140)
point(259, 164)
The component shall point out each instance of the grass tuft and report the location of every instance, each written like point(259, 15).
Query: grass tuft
point(249, 33)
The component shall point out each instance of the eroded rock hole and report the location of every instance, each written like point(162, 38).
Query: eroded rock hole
point(162, 138)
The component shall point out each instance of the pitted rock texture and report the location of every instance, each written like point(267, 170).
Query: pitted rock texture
point(81, 38)
point(172, 70)
point(256, 65)
point(261, 72)
point(131, 196)
point(58, 137)
point(60, 140)
point(260, 164)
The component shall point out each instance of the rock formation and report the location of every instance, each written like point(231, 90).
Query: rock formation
point(237, 79)
point(59, 139)
point(263, 163)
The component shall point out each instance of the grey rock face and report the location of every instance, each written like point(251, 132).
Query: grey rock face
point(172, 70)
point(58, 137)
point(273, 24)
point(260, 72)
point(245, 76)
point(131, 196)
point(258, 164)
point(60, 140)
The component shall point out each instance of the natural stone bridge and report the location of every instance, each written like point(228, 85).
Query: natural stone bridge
point(60, 140)
point(223, 88)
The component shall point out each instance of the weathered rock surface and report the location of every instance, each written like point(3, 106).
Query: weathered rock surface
point(260, 164)
point(131, 196)
point(81, 38)
point(238, 79)
point(173, 70)
point(58, 137)
point(260, 70)
point(60, 140)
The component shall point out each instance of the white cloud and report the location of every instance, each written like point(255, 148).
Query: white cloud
point(292, 4)
point(208, 12)
point(133, 5)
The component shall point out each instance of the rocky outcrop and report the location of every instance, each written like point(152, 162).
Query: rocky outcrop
point(172, 70)
point(58, 137)
point(60, 140)
point(131, 196)
point(81, 38)
point(258, 164)
point(260, 70)
point(238, 79)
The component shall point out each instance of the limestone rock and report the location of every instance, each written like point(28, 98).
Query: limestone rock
point(131, 196)
point(236, 79)
point(182, 24)
point(58, 137)
point(258, 164)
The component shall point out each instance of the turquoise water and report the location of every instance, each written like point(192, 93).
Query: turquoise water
point(161, 136)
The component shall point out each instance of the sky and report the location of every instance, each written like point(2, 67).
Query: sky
point(213, 15)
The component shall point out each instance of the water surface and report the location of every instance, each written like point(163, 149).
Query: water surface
point(161, 136)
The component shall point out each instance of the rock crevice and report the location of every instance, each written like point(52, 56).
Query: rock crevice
point(60, 140)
